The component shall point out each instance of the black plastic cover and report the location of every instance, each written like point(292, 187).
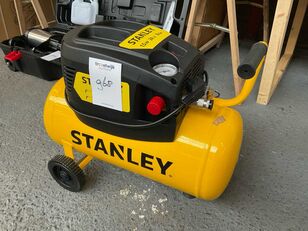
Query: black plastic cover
point(102, 41)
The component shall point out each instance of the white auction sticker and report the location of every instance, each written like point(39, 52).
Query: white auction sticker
point(106, 83)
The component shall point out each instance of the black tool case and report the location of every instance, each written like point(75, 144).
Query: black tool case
point(20, 56)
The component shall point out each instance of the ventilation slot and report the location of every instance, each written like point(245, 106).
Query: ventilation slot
point(196, 70)
point(69, 75)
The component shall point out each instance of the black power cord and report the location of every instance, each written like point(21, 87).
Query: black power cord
point(185, 102)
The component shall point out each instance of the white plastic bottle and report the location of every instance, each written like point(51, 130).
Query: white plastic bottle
point(84, 13)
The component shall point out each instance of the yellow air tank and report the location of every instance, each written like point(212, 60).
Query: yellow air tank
point(200, 161)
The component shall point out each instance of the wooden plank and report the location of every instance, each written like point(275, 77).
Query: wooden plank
point(191, 20)
point(20, 16)
point(9, 18)
point(265, 20)
point(280, 24)
point(196, 33)
point(51, 23)
point(40, 13)
point(238, 82)
point(30, 15)
point(214, 41)
point(4, 33)
point(296, 26)
point(292, 40)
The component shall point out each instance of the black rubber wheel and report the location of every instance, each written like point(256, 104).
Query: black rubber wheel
point(67, 173)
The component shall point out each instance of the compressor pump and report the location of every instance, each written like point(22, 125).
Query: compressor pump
point(137, 97)
point(153, 85)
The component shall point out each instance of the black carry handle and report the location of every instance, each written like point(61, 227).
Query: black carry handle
point(248, 67)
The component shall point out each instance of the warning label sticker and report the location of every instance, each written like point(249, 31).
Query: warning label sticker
point(146, 38)
point(82, 85)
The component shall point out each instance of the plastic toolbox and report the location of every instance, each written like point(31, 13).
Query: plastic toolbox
point(155, 12)
point(21, 56)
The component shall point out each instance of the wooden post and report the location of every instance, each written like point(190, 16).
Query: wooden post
point(231, 8)
point(274, 66)
point(196, 32)
point(8, 15)
point(296, 26)
point(191, 20)
point(292, 40)
point(40, 14)
point(20, 16)
point(214, 41)
point(2, 21)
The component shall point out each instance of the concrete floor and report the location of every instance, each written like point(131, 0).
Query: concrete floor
point(269, 189)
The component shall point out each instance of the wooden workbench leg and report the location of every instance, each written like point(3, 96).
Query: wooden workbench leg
point(20, 16)
point(296, 26)
point(191, 20)
point(265, 20)
point(40, 13)
point(280, 25)
point(196, 32)
point(292, 40)
point(231, 8)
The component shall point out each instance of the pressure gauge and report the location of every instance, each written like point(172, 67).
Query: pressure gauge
point(166, 69)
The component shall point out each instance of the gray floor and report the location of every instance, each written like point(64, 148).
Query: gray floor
point(269, 190)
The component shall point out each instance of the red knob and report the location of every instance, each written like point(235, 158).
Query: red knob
point(156, 105)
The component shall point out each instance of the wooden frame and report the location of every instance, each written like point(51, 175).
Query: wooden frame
point(274, 65)
point(38, 11)
point(20, 16)
point(231, 20)
point(40, 14)
point(192, 20)
point(235, 55)
point(231, 9)
point(9, 25)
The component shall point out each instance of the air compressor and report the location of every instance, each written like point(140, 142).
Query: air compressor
point(137, 97)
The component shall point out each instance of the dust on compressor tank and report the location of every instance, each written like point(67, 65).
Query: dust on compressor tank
point(131, 80)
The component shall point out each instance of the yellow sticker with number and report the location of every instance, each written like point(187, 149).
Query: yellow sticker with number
point(146, 38)
point(82, 85)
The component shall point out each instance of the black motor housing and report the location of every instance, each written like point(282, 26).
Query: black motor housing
point(102, 41)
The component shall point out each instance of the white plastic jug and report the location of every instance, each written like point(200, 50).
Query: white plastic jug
point(84, 13)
